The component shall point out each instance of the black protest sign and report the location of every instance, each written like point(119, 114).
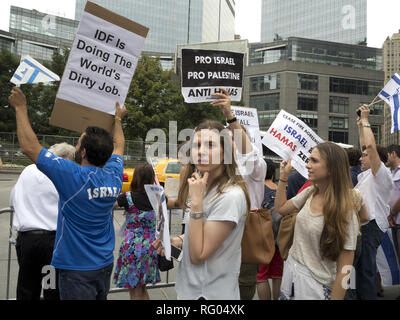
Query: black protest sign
point(205, 71)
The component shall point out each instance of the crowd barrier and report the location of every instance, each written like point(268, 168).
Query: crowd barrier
point(11, 242)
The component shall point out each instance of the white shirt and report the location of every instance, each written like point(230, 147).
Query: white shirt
point(35, 201)
point(217, 277)
point(253, 168)
point(396, 191)
point(307, 235)
point(376, 192)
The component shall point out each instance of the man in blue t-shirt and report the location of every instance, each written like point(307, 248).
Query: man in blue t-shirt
point(88, 189)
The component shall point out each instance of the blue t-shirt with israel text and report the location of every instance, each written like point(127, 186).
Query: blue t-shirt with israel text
point(85, 236)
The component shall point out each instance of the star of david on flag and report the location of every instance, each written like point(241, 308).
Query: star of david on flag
point(390, 94)
point(31, 71)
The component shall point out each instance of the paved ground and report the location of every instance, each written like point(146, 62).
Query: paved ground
point(7, 181)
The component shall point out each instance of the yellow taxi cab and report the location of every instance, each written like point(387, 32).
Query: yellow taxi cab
point(164, 168)
point(167, 168)
point(127, 179)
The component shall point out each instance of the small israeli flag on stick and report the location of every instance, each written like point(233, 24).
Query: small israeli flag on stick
point(31, 71)
point(390, 94)
point(391, 88)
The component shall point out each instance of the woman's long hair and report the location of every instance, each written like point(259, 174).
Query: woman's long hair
point(338, 200)
point(143, 174)
point(229, 177)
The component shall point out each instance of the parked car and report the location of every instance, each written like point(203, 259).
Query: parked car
point(167, 168)
point(164, 168)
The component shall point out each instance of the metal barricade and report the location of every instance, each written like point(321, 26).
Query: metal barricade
point(113, 290)
point(11, 212)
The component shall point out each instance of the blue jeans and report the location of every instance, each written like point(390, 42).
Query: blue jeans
point(85, 285)
point(366, 270)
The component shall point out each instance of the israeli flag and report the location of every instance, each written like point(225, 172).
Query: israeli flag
point(387, 261)
point(394, 103)
point(391, 88)
point(31, 71)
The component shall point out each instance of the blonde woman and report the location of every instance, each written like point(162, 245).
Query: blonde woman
point(326, 228)
point(219, 202)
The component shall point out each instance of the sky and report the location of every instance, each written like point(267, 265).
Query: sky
point(383, 18)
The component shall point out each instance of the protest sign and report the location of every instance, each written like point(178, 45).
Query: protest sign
point(205, 71)
point(99, 70)
point(172, 187)
point(159, 204)
point(248, 118)
point(291, 138)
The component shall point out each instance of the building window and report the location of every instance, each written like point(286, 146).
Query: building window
point(377, 109)
point(310, 119)
point(339, 105)
point(338, 123)
point(307, 102)
point(339, 136)
point(266, 102)
point(377, 133)
point(265, 83)
point(352, 86)
point(307, 82)
point(266, 119)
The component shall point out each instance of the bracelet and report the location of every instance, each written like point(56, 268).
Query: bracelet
point(117, 118)
point(367, 125)
point(231, 121)
point(284, 181)
point(196, 215)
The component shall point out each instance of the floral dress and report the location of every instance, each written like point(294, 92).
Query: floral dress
point(137, 259)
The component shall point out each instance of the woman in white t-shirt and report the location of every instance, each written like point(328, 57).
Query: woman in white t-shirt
point(219, 202)
point(326, 229)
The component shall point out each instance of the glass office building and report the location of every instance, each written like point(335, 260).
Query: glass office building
point(38, 34)
point(173, 22)
point(343, 21)
point(7, 41)
point(321, 82)
point(316, 51)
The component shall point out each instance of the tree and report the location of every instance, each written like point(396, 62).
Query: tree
point(8, 65)
point(40, 97)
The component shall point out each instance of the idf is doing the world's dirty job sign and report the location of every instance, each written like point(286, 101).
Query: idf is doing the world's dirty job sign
point(99, 70)
point(205, 71)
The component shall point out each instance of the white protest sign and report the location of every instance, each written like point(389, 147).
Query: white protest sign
point(248, 118)
point(291, 138)
point(159, 204)
point(101, 64)
point(205, 71)
point(172, 187)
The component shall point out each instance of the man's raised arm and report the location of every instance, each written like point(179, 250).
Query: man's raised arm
point(119, 138)
point(28, 141)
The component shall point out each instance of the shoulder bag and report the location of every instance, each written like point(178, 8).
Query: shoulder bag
point(258, 245)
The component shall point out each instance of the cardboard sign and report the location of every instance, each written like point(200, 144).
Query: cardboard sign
point(99, 70)
point(291, 138)
point(248, 118)
point(159, 204)
point(205, 71)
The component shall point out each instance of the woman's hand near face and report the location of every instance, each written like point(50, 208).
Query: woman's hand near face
point(285, 169)
point(197, 188)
